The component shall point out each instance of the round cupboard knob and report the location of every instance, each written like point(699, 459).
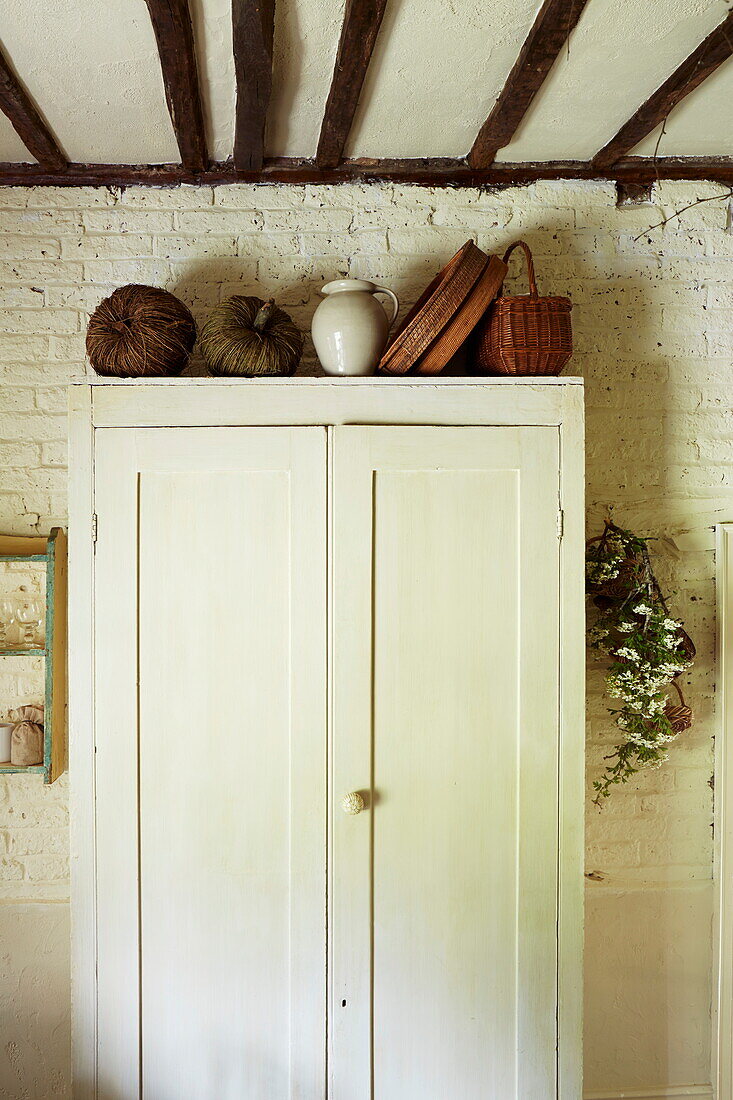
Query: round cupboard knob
point(352, 803)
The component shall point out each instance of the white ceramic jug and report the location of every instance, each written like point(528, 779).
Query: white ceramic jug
point(350, 327)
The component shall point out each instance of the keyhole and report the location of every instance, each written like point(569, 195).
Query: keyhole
point(343, 1004)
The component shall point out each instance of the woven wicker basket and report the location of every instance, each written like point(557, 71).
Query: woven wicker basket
point(525, 334)
point(680, 716)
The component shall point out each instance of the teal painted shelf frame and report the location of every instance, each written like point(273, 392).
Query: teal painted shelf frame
point(50, 552)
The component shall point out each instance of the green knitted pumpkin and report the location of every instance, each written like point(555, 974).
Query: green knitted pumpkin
point(252, 338)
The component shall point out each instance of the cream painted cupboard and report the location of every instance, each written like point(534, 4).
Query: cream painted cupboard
point(326, 739)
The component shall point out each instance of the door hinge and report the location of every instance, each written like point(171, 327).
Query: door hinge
point(560, 524)
point(94, 527)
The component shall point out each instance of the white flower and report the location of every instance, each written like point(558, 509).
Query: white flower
point(628, 654)
point(643, 609)
point(668, 669)
point(625, 628)
point(598, 571)
point(638, 739)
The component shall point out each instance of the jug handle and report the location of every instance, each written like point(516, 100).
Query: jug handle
point(395, 302)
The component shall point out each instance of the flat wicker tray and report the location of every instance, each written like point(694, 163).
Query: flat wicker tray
point(435, 308)
point(465, 319)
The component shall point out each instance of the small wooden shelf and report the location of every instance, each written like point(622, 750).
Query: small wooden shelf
point(50, 552)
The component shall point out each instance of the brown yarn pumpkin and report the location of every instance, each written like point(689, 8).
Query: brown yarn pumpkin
point(139, 331)
point(251, 338)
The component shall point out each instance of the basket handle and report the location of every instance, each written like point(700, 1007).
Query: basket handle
point(678, 689)
point(533, 292)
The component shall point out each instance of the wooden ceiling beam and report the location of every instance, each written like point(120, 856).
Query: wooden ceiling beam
point(634, 172)
point(173, 30)
point(362, 20)
point(711, 53)
point(253, 29)
point(26, 120)
point(550, 31)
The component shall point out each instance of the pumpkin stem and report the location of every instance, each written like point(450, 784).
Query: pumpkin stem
point(263, 315)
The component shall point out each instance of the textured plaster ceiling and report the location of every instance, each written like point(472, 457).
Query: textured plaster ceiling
point(12, 148)
point(437, 68)
point(700, 125)
point(93, 69)
point(306, 39)
point(212, 28)
point(620, 52)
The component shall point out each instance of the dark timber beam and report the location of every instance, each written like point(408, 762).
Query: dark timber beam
point(362, 20)
point(27, 122)
point(171, 21)
point(633, 172)
point(253, 27)
point(711, 53)
point(550, 32)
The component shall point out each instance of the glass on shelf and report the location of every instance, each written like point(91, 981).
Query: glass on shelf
point(7, 618)
point(29, 614)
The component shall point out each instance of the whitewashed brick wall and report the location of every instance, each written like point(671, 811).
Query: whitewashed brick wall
point(654, 342)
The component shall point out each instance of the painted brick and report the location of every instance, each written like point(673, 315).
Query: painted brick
point(41, 841)
point(39, 273)
point(341, 244)
point(79, 297)
point(437, 241)
point(326, 219)
point(154, 272)
point(220, 222)
point(473, 218)
point(52, 399)
point(35, 321)
point(46, 480)
point(268, 244)
point(120, 220)
point(29, 248)
point(21, 297)
point(387, 217)
point(17, 400)
point(54, 454)
point(258, 197)
point(46, 868)
point(166, 198)
point(108, 246)
point(44, 373)
point(38, 426)
point(19, 454)
point(61, 198)
point(69, 348)
point(195, 247)
point(54, 223)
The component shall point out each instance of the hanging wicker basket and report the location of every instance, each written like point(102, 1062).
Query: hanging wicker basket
point(679, 714)
point(628, 579)
point(526, 334)
point(687, 647)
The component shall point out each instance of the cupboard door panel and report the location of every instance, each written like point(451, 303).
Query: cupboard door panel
point(218, 814)
point(445, 716)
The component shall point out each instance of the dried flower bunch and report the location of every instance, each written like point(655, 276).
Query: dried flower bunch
point(648, 650)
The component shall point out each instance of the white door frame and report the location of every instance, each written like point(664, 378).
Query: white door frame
point(722, 1070)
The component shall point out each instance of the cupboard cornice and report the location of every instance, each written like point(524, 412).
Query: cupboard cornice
point(203, 402)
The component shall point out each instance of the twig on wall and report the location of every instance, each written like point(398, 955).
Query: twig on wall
point(690, 205)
